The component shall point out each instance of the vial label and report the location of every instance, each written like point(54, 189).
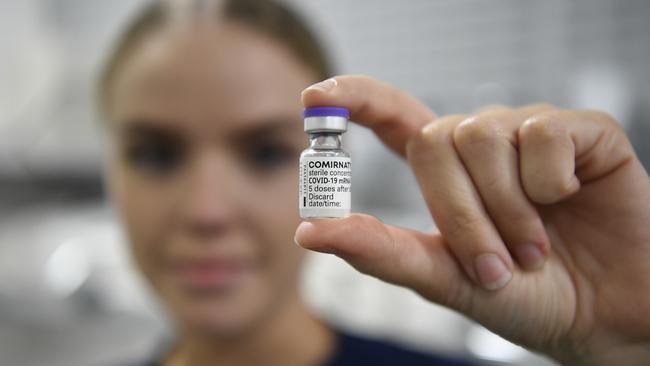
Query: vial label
point(325, 186)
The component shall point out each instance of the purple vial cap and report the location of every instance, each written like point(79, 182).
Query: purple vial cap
point(326, 112)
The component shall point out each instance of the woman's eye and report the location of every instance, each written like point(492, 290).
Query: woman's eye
point(269, 156)
point(157, 157)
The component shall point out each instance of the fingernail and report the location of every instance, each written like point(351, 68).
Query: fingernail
point(529, 256)
point(303, 225)
point(491, 271)
point(325, 85)
point(296, 241)
point(326, 250)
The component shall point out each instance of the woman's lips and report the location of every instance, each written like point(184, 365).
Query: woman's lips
point(211, 274)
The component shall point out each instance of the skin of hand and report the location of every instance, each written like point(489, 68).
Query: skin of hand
point(543, 217)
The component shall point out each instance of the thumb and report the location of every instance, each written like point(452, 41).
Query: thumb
point(401, 256)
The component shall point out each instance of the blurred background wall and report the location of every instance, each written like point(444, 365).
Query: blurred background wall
point(68, 292)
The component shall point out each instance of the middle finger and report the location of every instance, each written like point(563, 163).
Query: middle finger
point(487, 145)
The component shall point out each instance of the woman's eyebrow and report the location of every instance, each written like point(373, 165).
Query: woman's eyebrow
point(270, 127)
point(142, 128)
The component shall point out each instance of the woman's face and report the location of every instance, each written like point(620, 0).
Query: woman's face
point(207, 131)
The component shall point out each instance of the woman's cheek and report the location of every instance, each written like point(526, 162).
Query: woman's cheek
point(281, 213)
point(141, 207)
point(281, 218)
point(283, 201)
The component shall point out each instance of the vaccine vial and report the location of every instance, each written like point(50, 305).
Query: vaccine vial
point(325, 172)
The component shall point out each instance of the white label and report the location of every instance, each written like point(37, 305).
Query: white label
point(325, 186)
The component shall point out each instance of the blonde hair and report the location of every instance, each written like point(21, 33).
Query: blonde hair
point(269, 17)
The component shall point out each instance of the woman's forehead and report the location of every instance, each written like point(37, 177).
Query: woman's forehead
point(223, 72)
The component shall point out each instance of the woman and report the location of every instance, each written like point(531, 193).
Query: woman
point(201, 104)
point(543, 213)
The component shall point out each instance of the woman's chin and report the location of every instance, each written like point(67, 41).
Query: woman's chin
point(219, 327)
point(219, 313)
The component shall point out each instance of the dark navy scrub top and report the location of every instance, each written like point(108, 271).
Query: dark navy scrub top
point(358, 351)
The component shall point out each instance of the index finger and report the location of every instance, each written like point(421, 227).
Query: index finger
point(392, 114)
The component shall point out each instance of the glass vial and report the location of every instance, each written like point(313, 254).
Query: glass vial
point(325, 171)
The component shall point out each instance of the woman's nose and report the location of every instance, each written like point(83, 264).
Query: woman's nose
point(210, 195)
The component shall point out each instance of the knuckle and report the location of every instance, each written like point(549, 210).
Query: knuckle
point(478, 130)
point(462, 222)
point(614, 138)
point(494, 185)
point(431, 135)
point(562, 188)
point(609, 122)
point(544, 190)
point(545, 196)
point(544, 126)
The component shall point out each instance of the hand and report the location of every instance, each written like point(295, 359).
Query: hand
point(544, 219)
